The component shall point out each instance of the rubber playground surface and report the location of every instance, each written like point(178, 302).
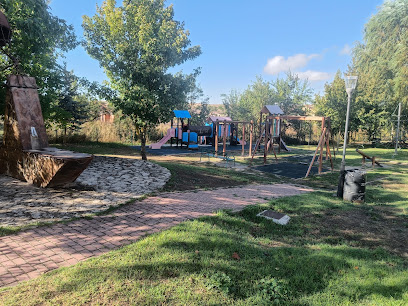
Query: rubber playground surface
point(168, 150)
point(292, 166)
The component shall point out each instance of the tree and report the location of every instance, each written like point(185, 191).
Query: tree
point(38, 42)
point(72, 108)
point(231, 104)
point(292, 94)
point(258, 94)
point(136, 44)
point(381, 62)
point(334, 103)
point(198, 105)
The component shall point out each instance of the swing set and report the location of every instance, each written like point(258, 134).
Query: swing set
point(271, 134)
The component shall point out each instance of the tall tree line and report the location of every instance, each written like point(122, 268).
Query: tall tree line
point(381, 63)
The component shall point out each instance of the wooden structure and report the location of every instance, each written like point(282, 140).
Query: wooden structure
point(25, 153)
point(271, 137)
point(269, 130)
point(229, 129)
point(365, 156)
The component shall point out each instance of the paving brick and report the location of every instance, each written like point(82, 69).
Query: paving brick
point(36, 251)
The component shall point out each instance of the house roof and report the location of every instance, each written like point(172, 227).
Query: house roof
point(219, 118)
point(272, 109)
point(182, 114)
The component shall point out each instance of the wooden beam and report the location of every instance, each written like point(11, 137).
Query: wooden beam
point(301, 118)
point(251, 133)
point(217, 126)
point(322, 146)
point(266, 141)
point(314, 156)
point(224, 139)
point(368, 157)
point(243, 139)
point(328, 148)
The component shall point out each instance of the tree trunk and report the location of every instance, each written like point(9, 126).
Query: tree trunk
point(64, 141)
point(142, 134)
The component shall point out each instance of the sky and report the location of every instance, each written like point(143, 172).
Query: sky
point(241, 40)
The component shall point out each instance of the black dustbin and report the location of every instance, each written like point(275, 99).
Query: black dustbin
point(354, 185)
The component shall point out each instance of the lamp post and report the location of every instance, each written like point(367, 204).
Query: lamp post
point(351, 82)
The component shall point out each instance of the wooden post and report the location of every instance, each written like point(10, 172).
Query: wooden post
point(243, 139)
point(328, 149)
point(266, 141)
point(224, 140)
point(279, 131)
point(314, 156)
point(217, 126)
point(178, 132)
point(321, 146)
point(251, 133)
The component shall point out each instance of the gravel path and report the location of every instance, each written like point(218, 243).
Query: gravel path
point(108, 181)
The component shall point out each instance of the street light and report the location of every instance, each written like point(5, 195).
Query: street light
point(351, 82)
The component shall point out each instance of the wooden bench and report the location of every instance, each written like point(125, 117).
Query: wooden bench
point(25, 153)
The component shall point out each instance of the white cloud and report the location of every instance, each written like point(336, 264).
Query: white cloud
point(346, 50)
point(313, 75)
point(279, 64)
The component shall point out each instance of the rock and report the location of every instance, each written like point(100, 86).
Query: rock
point(128, 179)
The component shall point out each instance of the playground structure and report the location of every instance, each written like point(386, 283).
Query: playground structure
point(222, 130)
point(181, 132)
point(225, 128)
point(271, 133)
point(269, 130)
point(365, 156)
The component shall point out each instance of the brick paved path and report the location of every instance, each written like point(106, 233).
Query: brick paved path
point(33, 252)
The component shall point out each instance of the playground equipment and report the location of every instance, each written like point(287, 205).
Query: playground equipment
point(269, 130)
point(182, 132)
point(270, 134)
point(217, 128)
point(225, 127)
point(365, 156)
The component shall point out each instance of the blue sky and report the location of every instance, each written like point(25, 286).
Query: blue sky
point(243, 39)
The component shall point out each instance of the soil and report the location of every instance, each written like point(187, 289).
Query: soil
point(372, 228)
point(187, 181)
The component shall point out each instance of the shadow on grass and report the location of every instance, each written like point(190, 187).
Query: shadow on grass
point(189, 255)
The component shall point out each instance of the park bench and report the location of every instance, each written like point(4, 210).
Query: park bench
point(224, 156)
point(25, 153)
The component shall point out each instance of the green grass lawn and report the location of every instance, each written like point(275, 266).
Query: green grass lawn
point(236, 259)
point(331, 252)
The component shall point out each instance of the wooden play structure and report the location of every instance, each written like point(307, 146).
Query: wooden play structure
point(224, 128)
point(271, 134)
point(217, 129)
point(269, 131)
point(181, 132)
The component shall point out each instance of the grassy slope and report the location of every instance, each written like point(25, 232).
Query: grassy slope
point(302, 263)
